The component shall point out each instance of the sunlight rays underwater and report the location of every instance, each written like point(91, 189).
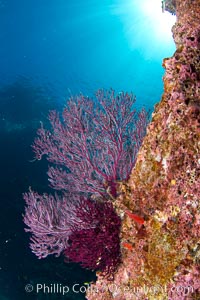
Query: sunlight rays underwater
point(146, 26)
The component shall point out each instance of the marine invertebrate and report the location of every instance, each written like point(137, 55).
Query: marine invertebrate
point(84, 230)
point(49, 220)
point(94, 145)
point(96, 246)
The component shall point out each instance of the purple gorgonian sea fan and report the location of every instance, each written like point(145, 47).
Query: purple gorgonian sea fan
point(94, 144)
point(91, 147)
point(84, 230)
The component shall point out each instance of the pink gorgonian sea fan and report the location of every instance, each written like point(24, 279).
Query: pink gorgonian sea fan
point(94, 144)
point(91, 147)
point(49, 219)
point(84, 230)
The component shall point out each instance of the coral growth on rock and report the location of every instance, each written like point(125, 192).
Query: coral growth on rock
point(161, 258)
point(170, 6)
point(85, 231)
point(92, 148)
point(94, 144)
point(96, 245)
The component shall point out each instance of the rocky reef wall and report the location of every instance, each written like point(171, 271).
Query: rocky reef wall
point(161, 257)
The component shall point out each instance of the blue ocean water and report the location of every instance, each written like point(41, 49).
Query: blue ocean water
point(49, 51)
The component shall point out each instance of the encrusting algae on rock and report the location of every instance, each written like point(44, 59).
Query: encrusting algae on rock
point(161, 256)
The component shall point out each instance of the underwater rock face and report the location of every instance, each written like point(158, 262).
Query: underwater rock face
point(170, 6)
point(161, 258)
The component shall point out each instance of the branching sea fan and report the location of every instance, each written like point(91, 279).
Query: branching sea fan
point(94, 144)
point(86, 231)
point(91, 148)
